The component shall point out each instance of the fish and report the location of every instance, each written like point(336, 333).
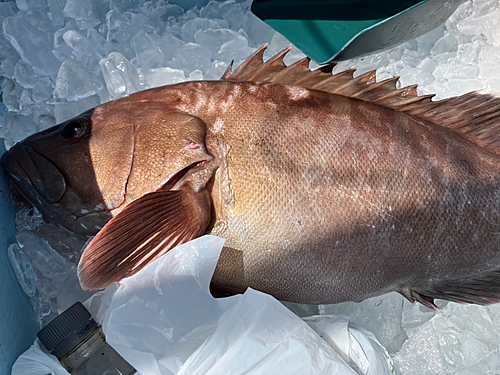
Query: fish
point(326, 187)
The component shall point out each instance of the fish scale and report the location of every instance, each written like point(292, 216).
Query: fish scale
point(366, 205)
point(325, 187)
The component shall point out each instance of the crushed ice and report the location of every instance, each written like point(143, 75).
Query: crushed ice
point(61, 57)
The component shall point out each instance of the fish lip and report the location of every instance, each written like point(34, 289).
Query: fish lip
point(20, 164)
point(18, 178)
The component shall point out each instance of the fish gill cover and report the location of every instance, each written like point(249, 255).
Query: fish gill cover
point(59, 58)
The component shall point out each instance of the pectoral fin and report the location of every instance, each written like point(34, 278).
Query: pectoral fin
point(145, 230)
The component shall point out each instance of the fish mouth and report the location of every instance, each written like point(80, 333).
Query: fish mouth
point(33, 175)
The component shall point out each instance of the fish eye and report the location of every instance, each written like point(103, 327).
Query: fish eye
point(75, 128)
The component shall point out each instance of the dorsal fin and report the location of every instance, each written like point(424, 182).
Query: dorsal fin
point(474, 116)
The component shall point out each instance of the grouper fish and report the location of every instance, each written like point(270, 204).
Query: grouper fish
point(326, 188)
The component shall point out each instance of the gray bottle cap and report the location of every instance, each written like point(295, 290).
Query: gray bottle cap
point(66, 331)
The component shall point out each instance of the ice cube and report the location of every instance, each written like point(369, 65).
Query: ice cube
point(25, 101)
point(195, 75)
point(211, 10)
point(67, 244)
point(164, 76)
point(44, 258)
point(165, 11)
point(97, 41)
point(119, 32)
point(74, 82)
point(16, 128)
point(7, 9)
point(82, 46)
point(460, 86)
point(81, 11)
point(8, 65)
point(42, 309)
point(483, 7)
point(279, 43)
point(149, 55)
point(224, 44)
point(30, 4)
point(186, 4)
point(56, 12)
point(50, 270)
point(42, 89)
point(139, 21)
point(120, 76)
point(427, 65)
point(124, 5)
point(59, 34)
point(23, 269)
point(410, 58)
point(169, 45)
point(436, 88)
point(411, 76)
point(216, 70)
point(451, 71)
point(67, 110)
point(233, 14)
point(11, 94)
point(190, 28)
point(44, 115)
point(192, 56)
point(488, 62)
point(3, 113)
point(25, 75)
point(31, 44)
point(447, 43)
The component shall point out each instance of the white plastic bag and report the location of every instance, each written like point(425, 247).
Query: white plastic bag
point(163, 320)
point(357, 346)
point(37, 361)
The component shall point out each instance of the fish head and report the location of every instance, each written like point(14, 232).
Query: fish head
point(84, 171)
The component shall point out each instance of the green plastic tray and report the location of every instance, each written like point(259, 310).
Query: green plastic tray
point(334, 30)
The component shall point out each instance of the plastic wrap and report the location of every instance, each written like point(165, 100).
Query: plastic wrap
point(163, 320)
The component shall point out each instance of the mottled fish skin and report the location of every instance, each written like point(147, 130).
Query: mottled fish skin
point(321, 198)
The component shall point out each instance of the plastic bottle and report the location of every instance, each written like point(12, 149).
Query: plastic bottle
point(77, 341)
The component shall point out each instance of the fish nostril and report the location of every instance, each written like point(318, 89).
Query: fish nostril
point(192, 145)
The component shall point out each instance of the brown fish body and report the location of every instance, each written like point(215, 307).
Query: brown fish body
point(321, 197)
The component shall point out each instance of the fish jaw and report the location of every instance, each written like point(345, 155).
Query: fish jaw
point(41, 183)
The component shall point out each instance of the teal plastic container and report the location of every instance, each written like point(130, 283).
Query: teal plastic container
point(18, 326)
point(334, 30)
